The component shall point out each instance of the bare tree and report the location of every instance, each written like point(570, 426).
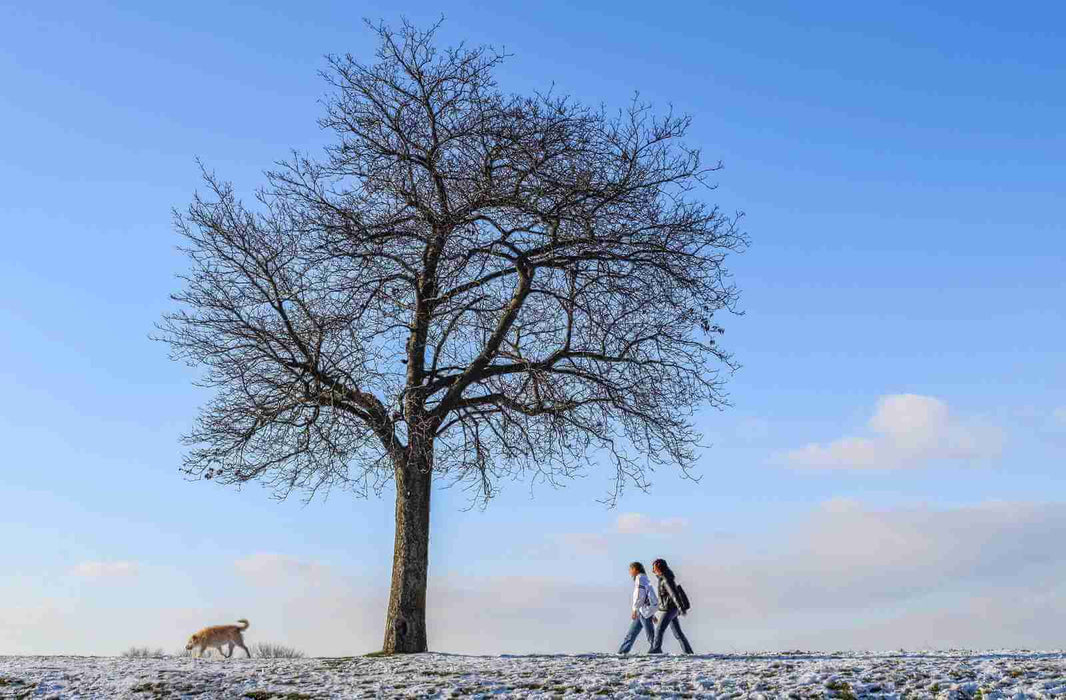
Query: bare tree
point(468, 286)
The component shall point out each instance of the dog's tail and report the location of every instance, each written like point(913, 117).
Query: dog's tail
point(244, 624)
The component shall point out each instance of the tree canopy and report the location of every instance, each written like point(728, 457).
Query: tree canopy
point(526, 281)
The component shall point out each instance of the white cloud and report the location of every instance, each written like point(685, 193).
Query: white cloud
point(104, 569)
point(670, 525)
point(268, 566)
point(840, 505)
point(911, 420)
point(583, 542)
point(908, 431)
point(850, 576)
point(640, 524)
point(632, 523)
point(845, 453)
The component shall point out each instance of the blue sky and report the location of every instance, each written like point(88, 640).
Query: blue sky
point(902, 172)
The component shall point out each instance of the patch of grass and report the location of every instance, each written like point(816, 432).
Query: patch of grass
point(376, 654)
point(15, 687)
point(268, 650)
point(843, 690)
point(142, 653)
point(338, 662)
point(157, 689)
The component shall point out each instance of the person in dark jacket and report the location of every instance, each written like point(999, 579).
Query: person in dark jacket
point(669, 609)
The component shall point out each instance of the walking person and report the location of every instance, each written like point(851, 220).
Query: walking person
point(672, 603)
point(644, 605)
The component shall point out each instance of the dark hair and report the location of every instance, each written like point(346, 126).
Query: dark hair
point(638, 566)
point(662, 566)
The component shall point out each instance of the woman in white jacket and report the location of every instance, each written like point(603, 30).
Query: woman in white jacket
point(645, 603)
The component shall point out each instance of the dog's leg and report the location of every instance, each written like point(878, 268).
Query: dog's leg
point(241, 645)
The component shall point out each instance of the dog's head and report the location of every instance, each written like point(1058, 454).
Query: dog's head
point(193, 641)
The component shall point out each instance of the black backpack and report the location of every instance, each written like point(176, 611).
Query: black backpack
point(682, 603)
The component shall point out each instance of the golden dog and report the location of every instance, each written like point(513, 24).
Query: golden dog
point(219, 636)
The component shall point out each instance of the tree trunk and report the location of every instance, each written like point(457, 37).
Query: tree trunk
point(405, 622)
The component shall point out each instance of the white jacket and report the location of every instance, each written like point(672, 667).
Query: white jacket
point(645, 601)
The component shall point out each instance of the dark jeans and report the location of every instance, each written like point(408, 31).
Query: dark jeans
point(634, 631)
point(669, 618)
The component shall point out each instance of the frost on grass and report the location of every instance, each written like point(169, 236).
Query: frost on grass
point(269, 650)
point(142, 653)
point(952, 674)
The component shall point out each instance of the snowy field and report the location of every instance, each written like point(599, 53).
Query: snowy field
point(901, 675)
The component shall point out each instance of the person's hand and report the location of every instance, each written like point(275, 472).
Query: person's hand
point(634, 614)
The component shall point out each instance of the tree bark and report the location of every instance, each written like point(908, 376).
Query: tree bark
point(405, 622)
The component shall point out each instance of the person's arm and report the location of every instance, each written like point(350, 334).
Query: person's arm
point(673, 594)
point(659, 605)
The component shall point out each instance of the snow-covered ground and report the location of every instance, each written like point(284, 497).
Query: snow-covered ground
point(954, 674)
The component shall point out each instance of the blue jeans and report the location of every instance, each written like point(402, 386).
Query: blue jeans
point(634, 631)
point(669, 618)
